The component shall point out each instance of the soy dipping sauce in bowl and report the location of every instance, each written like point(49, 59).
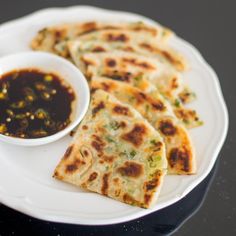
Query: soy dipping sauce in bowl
point(34, 104)
point(43, 97)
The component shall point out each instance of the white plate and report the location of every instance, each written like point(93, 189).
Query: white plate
point(25, 173)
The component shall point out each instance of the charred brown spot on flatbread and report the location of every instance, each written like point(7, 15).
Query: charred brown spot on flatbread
point(110, 62)
point(186, 115)
point(97, 108)
point(68, 152)
point(98, 144)
point(145, 65)
point(158, 105)
point(89, 27)
point(116, 37)
point(43, 31)
point(97, 138)
point(129, 199)
point(136, 135)
point(140, 97)
point(121, 110)
point(85, 153)
point(117, 192)
point(147, 199)
point(122, 124)
point(105, 184)
point(93, 90)
point(131, 169)
point(93, 176)
point(70, 168)
point(106, 86)
point(152, 184)
point(98, 49)
point(57, 175)
point(72, 133)
point(141, 64)
point(146, 46)
point(108, 159)
point(156, 146)
point(186, 96)
point(180, 157)
point(84, 185)
point(111, 27)
point(167, 128)
point(116, 180)
point(174, 83)
point(152, 49)
point(169, 57)
point(119, 76)
point(59, 35)
point(85, 127)
point(153, 31)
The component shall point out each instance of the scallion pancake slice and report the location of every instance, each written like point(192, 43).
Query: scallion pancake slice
point(54, 38)
point(132, 68)
point(130, 41)
point(179, 149)
point(116, 153)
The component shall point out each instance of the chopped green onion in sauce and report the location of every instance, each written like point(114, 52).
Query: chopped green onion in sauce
point(34, 104)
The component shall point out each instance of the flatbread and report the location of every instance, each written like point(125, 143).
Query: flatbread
point(140, 71)
point(54, 38)
point(179, 149)
point(116, 153)
point(130, 41)
point(133, 67)
point(189, 117)
point(125, 40)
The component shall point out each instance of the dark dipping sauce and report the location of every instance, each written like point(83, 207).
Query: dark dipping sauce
point(34, 104)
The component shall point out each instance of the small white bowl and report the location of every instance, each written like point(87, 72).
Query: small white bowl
point(47, 62)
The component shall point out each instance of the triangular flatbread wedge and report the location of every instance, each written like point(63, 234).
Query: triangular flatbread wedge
point(116, 153)
point(179, 149)
point(54, 38)
point(130, 41)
